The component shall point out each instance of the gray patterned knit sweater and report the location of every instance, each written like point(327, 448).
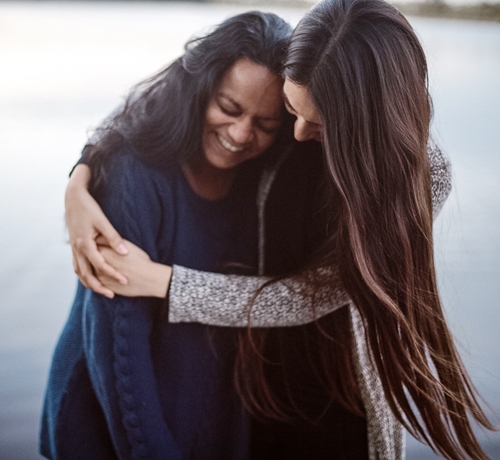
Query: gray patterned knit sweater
point(223, 300)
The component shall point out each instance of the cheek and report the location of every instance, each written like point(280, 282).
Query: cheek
point(213, 116)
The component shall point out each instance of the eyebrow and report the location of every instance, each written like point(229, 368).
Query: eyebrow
point(238, 107)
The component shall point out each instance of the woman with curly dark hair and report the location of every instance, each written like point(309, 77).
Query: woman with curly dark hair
point(176, 170)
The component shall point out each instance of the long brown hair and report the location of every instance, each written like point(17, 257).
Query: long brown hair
point(367, 75)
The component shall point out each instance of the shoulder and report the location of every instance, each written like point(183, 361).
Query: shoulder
point(136, 189)
point(136, 199)
point(131, 178)
point(127, 164)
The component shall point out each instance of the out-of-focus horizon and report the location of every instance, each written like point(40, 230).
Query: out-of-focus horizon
point(483, 10)
point(66, 65)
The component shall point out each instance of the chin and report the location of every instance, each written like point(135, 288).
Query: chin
point(223, 165)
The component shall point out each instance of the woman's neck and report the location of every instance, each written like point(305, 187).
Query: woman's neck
point(207, 181)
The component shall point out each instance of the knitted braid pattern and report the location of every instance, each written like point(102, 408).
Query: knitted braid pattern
point(124, 385)
point(122, 361)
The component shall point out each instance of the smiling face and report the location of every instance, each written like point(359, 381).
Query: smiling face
point(298, 102)
point(243, 115)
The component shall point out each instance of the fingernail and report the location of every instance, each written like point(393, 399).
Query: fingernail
point(123, 249)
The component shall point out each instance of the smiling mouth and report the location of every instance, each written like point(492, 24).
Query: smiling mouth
point(228, 145)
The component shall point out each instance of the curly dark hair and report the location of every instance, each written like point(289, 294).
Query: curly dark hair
point(163, 116)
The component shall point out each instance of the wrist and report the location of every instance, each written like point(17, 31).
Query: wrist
point(76, 193)
point(163, 275)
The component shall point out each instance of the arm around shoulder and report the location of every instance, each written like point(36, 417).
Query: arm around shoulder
point(85, 222)
point(239, 301)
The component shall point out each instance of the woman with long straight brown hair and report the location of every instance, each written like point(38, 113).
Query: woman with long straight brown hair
point(356, 79)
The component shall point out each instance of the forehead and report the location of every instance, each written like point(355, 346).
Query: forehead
point(254, 86)
point(300, 101)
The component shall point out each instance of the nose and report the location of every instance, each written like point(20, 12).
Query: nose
point(241, 131)
point(304, 130)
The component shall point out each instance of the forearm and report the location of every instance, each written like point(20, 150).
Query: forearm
point(78, 182)
point(239, 301)
point(223, 300)
point(146, 279)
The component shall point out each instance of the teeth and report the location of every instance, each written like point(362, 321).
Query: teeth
point(227, 145)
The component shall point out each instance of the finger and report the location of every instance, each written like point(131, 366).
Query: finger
point(99, 288)
point(102, 241)
point(77, 270)
point(102, 268)
point(89, 253)
point(84, 271)
point(107, 281)
point(112, 237)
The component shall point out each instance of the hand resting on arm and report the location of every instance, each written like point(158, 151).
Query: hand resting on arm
point(145, 277)
point(86, 221)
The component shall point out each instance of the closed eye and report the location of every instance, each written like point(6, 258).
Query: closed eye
point(268, 129)
point(228, 111)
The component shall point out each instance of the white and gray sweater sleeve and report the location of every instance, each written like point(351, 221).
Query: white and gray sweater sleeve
point(224, 300)
point(440, 176)
point(231, 300)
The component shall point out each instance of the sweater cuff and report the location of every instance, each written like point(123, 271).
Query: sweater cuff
point(165, 303)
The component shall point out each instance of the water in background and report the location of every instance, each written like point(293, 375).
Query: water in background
point(65, 66)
